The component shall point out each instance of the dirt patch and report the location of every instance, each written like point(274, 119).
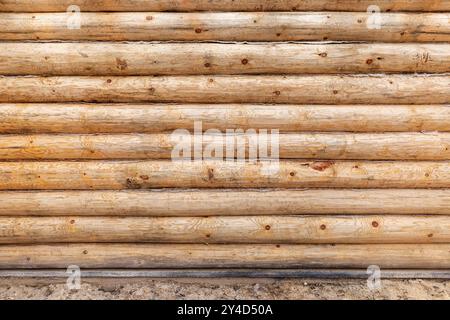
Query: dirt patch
point(227, 289)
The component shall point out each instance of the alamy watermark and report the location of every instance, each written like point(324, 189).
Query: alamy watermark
point(233, 145)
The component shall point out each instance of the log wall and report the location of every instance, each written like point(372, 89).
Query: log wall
point(88, 110)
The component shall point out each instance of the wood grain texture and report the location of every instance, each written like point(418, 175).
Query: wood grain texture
point(227, 26)
point(343, 146)
point(116, 175)
point(222, 5)
point(225, 202)
point(423, 256)
point(239, 229)
point(154, 118)
point(216, 58)
point(315, 89)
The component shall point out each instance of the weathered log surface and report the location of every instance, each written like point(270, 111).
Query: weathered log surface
point(222, 5)
point(115, 175)
point(343, 146)
point(315, 89)
point(216, 58)
point(239, 229)
point(225, 202)
point(153, 118)
point(227, 26)
point(420, 256)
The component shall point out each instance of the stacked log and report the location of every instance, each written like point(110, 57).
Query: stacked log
point(88, 114)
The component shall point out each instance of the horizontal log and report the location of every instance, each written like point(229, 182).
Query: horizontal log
point(408, 256)
point(126, 118)
point(217, 58)
point(315, 89)
point(344, 146)
point(116, 175)
point(227, 26)
point(222, 5)
point(241, 229)
point(224, 202)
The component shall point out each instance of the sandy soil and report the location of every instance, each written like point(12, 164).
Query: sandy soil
point(227, 289)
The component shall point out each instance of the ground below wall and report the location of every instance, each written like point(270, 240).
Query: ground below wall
point(225, 289)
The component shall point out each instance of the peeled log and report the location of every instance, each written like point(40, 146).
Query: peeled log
point(227, 26)
point(126, 118)
point(116, 175)
point(224, 202)
point(396, 256)
point(345, 146)
point(217, 58)
point(222, 5)
point(239, 229)
point(316, 89)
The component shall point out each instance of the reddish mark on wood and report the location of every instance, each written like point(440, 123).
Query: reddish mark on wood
point(375, 224)
point(267, 227)
point(144, 177)
point(198, 30)
point(369, 61)
point(148, 18)
point(323, 227)
point(321, 165)
point(244, 61)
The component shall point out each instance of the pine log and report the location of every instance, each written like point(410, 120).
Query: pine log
point(397, 256)
point(316, 89)
point(343, 146)
point(117, 175)
point(225, 202)
point(153, 118)
point(227, 26)
point(238, 229)
point(222, 5)
point(217, 58)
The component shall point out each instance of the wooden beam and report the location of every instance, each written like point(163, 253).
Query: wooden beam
point(153, 118)
point(217, 58)
point(413, 256)
point(222, 5)
point(225, 202)
point(317, 89)
point(116, 175)
point(237, 229)
point(343, 146)
point(227, 26)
